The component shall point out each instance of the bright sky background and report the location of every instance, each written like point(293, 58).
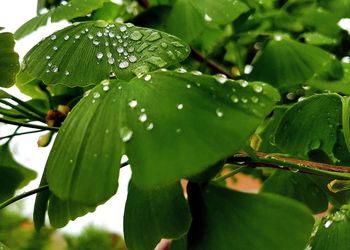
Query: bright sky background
point(13, 14)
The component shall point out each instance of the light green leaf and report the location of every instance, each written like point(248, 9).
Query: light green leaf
point(13, 175)
point(155, 214)
point(299, 186)
point(3, 247)
point(225, 219)
point(310, 125)
point(220, 11)
point(61, 212)
point(75, 8)
point(333, 232)
point(9, 64)
point(286, 63)
point(87, 53)
point(152, 119)
point(315, 38)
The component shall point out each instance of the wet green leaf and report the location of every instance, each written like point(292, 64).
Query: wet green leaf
point(9, 64)
point(200, 119)
point(315, 38)
point(167, 212)
point(87, 53)
point(226, 219)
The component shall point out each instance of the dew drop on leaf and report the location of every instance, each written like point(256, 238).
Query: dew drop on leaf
point(220, 78)
point(66, 37)
point(99, 55)
point(219, 113)
point(96, 95)
point(328, 223)
point(150, 126)
point(315, 144)
point(125, 134)
point(136, 35)
point(207, 18)
point(123, 65)
point(154, 36)
point(132, 58)
point(234, 99)
point(258, 88)
point(143, 117)
point(132, 104)
point(123, 28)
point(180, 106)
point(148, 77)
point(157, 61)
point(254, 99)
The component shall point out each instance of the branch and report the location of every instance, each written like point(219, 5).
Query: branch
point(23, 133)
point(28, 125)
point(24, 195)
point(216, 68)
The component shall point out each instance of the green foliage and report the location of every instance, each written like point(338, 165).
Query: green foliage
point(9, 64)
point(252, 84)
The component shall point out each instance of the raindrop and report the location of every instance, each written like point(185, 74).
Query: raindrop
point(258, 88)
point(219, 113)
point(164, 45)
point(77, 37)
point(143, 110)
point(180, 106)
point(123, 28)
point(188, 86)
point(181, 70)
point(178, 130)
point(125, 44)
point(66, 37)
point(111, 34)
point(132, 104)
point(123, 64)
point(129, 25)
point(105, 82)
point(244, 100)
point(99, 55)
point(66, 72)
point(294, 170)
point(95, 42)
point(55, 48)
point(171, 54)
point(177, 44)
point(315, 144)
point(291, 96)
point(244, 83)
point(71, 160)
point(158, 61)
point(90, 36)
point(196, 73)
point(132, 58)
point(48, 57)
point(207, 18)
point(255, 99)
point(53, 37)
point(154, 36)
point(110, 60)
point(220, 78)
point(99, 34)
point(234, 99)
point(55, 69)
point(136, 35)
point(96, 95)
point(248, 69)
point(125, 134)
point(147, 78)
point(328, 223)
point(142, 47)
point(150, 126)
point(153, 48)
point(109, 54)
point(105, 88)
point(131, 49)
point(143, 117)
point(120, 50)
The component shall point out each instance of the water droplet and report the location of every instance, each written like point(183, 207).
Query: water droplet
point(255, 99)
point(120, 50)
point(55, 48)
point(196, 73)
point(110, 60)
point(55, 69)
point(243, 83)
point(158, 61)
point(77, 37)
point(123, 64)
point(123, 28)
point(220, 78)
point(143, 110)
point(258, 88)
point(328, 223)
point(90, 36)
point(105, 88)
point(71, 160)
point(154, 36)
point(66, 73)
point(131, 49)
point(234, 99)
point(96, 95)
point(171, 54)
point(180, 106)
point(95, 42)
point(244, 100)
point(125, 134)
point(150, 126)
point(177, 44)
point(132, 58)
point(188, 86)
point(143, 117)
point(207, 18)
point(164, 45)
point(178, 130)
point(153, 48)
point(53, 37)
point(99, 34)
point(219, 113)
point(132, 104)
point(136, 35)
point(181, 70)
point(125, 44)
point(66, 37)
point(48, 57)
point(142, 47)
point(148, 77)
point(99, 55)
point(315, 144)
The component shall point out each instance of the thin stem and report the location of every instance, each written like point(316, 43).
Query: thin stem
point(22, 196)
point(345, 120)
point(28, 125)
point(23, 111)
point(23, 133)
point(228, 175)
point(27, 106)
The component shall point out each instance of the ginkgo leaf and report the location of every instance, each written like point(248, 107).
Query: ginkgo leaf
point(87, 53)
point(167, 212)
point(226, 219)
point(9, 64)
point(183, 122)
point(73, 9)
point(286, 63)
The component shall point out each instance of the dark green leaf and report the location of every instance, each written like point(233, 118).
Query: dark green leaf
point(310, 125)
point(61, 212)
point(40, 205)
point(75, 8)
point(155, 214)
point(299, 186)
point(151, 119)
point(78, 55)
point(286, 63)
point(225, 219)
point(13, 175)
point(333, 232)
point(9, 64)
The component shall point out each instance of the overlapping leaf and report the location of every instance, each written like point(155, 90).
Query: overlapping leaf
point(75, 8)
point(171, 125)
point(286, 64)
point(225, 219)
point(155, 214)
point(9, 64)
point(87, 53)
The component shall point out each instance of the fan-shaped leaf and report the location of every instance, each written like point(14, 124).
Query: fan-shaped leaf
point(75, 8)
point(87, 53)
point(167, 212)
point(225, 219)
point(285, 63)
point(333, 232)
point(9, 64)
point(171, 125)
point(310, 125)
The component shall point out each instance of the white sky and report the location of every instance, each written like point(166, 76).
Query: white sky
point(13, 13)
